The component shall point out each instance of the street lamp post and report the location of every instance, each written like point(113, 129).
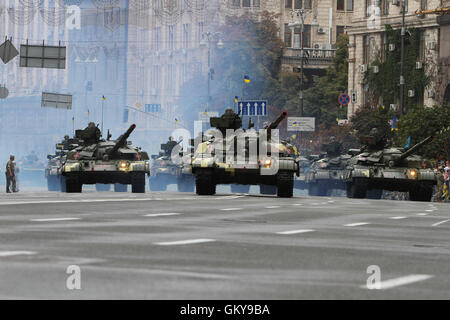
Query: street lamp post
point(209, 37)
point(402, 59)
point(301, 14)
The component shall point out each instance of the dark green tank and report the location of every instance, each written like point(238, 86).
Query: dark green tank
point(380, 168)
point(98, 161)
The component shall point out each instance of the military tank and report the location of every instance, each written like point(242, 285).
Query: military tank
point(164, 171)
point(326, 173)
point(55, 161)
point(105, 161)
point(228, 157)
point(379, 168)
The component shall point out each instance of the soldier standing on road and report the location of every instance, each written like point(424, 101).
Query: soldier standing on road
point(11, 175)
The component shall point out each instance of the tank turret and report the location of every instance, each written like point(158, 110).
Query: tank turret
point(413, 150)
point(90, 135)
point(229, 120)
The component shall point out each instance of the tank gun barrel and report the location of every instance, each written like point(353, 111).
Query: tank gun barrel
point(414, 149)
point(122, 139)
point(276, 123)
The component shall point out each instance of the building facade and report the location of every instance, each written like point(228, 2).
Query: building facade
point(367, 41)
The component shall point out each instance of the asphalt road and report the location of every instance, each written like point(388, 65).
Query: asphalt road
point(168, 245)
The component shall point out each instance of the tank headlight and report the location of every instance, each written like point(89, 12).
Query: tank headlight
point(267, 163)
point(123, 165)
point(413, 174)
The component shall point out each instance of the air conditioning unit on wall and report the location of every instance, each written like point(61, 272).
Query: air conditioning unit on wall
point(363, 68)
point(419, 65)
point(321, 31)
point(376, 69)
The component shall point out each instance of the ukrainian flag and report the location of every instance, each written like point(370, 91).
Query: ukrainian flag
point(236, 99)
point(103, 98)
point(176, 120)
point(294, 136)
point(394, 124)
point(247, 79)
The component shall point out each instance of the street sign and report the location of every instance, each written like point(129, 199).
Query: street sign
point(253, 108)
point(8, 51)
point(42, 56)
point(204, 116)
point(153, 108)
point(301, 124)
point(344, 99)
point(55, 100)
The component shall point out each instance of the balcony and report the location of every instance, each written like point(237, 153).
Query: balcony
point(316, 58)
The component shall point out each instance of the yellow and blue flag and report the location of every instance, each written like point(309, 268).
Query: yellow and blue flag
point(247, 79)
point(394, 124)
point(103, 98)
point(408, 142)
point(236, 98)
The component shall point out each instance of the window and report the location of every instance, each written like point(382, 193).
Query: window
point(170, 78)
point(298, 4)
point(288, 4)
point(155, 78)
point(308, 4)
point(349, 5)
point(306, 37)
point(256, 3)
point(246, 3)
point(156, 34)
point(368, 8)
point(186, 35)
point(199, 31)
point(366, 50)
point(339, 30)
point(236, 3)
point(423, 4)
point(422, 46)
point(171, 37)
point(341, 5)
point(384, 10)
point(287, 36)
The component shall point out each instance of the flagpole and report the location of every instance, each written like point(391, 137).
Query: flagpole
point(103, 103)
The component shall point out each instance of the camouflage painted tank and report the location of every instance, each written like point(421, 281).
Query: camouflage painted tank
point(229, 156)
point(53, 169)
point(326, 173)
point(378, 168)
point(164, 171)
point(105, 161)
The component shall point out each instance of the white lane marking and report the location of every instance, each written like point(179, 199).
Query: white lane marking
point(272, 207)
point(229, 197)
point(183, 242)
point(397, 218)
point(16, 253)
point(396, 282)
point(296, 231)
point(356, 224)
point(439, 223)
point(161, 214)
point(422, 214)
point(429, 210)
point(54, 219)
point(297, 204)
point(231, 209)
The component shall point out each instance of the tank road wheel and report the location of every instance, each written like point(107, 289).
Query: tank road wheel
point(267, 189)
point(239, 188)
point(375, 194)
point(118, 187)
point(138, 182)
point(205, 184)
point(285, 184)
point(185, 183)
point(73, 185)
point(357, 189)
point(423, 193)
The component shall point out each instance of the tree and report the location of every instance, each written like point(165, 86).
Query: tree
point(321, 99)
point(423, 122)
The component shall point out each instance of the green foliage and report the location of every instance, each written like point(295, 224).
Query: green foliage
point(385, 83)
point(368, 117)
point(423, 122)
point(321, 99)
